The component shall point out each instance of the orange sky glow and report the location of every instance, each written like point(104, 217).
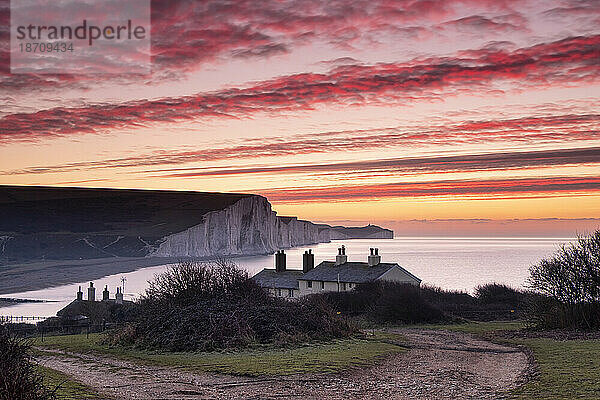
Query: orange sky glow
point(479, 117)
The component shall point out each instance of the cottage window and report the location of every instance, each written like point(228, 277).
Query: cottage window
point(290, 292)
point(308, 284)
point(279, 292)
point(343, 285)
point(322, 285)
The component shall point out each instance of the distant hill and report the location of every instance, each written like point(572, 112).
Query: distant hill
point(361, 232)
point(72, 223)
point(54, 223)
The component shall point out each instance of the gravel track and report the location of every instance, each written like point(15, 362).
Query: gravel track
point(439, 364)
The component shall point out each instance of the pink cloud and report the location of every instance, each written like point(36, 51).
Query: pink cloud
point(482, 189)
point(571, 61)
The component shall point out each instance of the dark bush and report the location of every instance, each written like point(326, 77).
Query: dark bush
point(570, 279)
point(385, 302)
point(394, 302)
point(404, 303)
point(203, 307)
point(497, 293)
point(18, 378)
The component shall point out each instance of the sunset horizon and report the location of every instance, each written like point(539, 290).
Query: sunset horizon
point(460, 117)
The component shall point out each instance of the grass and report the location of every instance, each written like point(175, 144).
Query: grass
point(68, 389)
point(326, 357)
point(568, 369)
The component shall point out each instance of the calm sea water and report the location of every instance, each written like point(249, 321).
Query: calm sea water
point(450, 263)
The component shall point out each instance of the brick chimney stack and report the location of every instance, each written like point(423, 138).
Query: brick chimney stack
point(280, 261)
point(91, 292)
point(374, 258)
point(308, 261)
point(79, 294)
point(105, 293)
point(119, 296)
point(341, 258)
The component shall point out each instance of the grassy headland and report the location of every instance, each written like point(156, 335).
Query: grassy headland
point(322, 357)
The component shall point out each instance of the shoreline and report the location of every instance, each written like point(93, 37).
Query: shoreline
point(38, 275)
point(45, 274)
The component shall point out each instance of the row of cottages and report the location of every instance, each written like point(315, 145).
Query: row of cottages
point(329, 276)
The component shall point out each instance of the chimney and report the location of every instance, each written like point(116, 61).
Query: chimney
point(374, 257)
point(308, 261)
point(79, 294)
point(119, 296)
point(341, 258)
point(91, 292)
point(105, 293)
point(280, 261)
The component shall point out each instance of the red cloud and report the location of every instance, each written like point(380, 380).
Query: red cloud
point(519, 160)
point(187, 34)
point(566, 62)
point(559, 129)
point(484, 189)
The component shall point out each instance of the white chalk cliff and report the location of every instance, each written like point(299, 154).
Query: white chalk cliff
point(246, 227)
point(249, 227)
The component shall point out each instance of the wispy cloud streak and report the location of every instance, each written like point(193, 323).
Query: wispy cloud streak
point(485, 189)
point(568, 129)
point(422, 165)
point(570, 61)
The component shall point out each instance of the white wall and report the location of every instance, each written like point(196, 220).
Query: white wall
point(284, 293)
point(397, 275)
point(328, 287)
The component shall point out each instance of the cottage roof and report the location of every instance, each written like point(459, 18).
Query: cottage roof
point(354, 272)
point(269, 278)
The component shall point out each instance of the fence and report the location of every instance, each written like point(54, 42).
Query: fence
point(29, 330)
point(21, 318)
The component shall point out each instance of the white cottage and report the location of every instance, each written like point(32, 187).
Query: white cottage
point(280, 282)
point(342, 275)
point(330, 276)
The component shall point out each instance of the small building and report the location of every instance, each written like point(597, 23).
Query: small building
point(280, 282)
point(342, 275)
point(92, 310)
point(329, 276)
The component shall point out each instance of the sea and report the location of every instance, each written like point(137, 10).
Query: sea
point(457, 263)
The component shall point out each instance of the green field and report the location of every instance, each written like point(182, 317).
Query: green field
point(66, 388)
point(568, 369)
point(326, 357)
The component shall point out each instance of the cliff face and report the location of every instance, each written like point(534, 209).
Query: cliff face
point(246, 227)
point(52, 223)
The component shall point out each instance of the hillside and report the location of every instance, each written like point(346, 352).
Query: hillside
point(73, 223)
point(52, 223)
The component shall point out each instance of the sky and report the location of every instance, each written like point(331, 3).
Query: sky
point(455, 117)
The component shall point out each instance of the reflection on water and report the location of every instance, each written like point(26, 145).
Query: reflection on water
point(451, 263)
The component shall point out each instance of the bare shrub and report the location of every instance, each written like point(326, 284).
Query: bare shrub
point(385, 302)
point(18, 378)
point(207, 306)
point(571, 279)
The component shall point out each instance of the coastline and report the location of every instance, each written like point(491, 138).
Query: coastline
point(39, 275)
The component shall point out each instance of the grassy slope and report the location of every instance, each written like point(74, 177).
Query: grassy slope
point(68, 389)
point(315, 357)
point(568, 369)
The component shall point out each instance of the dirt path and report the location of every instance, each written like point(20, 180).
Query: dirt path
point(439, 364)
